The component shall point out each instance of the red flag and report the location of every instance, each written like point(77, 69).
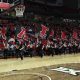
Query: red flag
point(63, 35)
point(52, 33)
point(75, 35)
point(43, 31)
point(22, 32)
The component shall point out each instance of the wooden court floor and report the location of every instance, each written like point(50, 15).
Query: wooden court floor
point(7, 65)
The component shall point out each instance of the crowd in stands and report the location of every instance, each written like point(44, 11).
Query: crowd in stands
point(38, 40)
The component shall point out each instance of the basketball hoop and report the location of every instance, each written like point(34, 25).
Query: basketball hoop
point(4, 5)
point(20, 10)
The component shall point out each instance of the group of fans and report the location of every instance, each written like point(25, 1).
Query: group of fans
point(29, 42)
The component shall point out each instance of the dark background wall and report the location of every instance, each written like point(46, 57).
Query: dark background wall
point(70, 3)
point(79, 4)
point(67, 8)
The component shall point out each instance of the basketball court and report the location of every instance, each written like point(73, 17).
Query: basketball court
point(28, 63)
point(35, 68)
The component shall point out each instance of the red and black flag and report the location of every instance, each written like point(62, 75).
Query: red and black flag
point(43, 31)
point(75, 35)
point(21, 33)
point(63, 35)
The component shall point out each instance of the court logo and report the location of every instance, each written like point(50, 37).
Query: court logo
point(67, 70)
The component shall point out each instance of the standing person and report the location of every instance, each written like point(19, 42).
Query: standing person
point(12, 46)
point(64, 47)
point(56, 48)
point(19, 50)
point(41, 51)
point(76, 47)
point(6, 50)
point(70, 47)
point(79, 47)
point(2, 44)
point(31, 50)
